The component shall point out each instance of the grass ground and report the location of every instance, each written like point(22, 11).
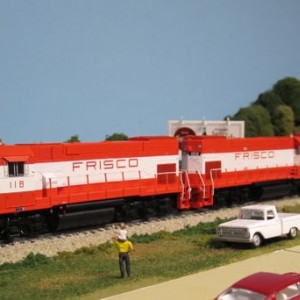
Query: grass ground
point(92, 273)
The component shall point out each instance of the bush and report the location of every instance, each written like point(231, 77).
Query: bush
point(291, 209)
point(35, 260)
point(147, 238)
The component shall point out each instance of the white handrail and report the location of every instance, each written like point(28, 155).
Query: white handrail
point(211, 178)
point(188, 183)
point(202, 181)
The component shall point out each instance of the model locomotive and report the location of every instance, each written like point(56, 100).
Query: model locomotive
point(51, 186)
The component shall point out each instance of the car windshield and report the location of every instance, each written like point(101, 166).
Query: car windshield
point(241, 294)
point(251, 214)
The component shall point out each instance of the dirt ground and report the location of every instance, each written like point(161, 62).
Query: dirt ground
point(207, 285)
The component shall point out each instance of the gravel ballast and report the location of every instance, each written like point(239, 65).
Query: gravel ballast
point(52, 245)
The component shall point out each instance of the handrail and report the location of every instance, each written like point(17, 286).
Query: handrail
point(202, 181)
point(212, 180)
point(188, 183)
point(87, 179)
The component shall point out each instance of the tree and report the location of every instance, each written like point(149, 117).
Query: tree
point(289, 91)
point(282, 116)
point(73, 139)
point(270, 101)
point(257, 121)
point(283, 120)
point(116, 137)
point(285, 93)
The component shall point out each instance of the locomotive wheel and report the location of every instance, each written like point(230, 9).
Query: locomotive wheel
point(53, 221)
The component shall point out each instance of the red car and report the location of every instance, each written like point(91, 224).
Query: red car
point(264, 286)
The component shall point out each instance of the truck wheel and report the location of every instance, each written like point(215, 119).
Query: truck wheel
point(293, 233)
point(256, 240)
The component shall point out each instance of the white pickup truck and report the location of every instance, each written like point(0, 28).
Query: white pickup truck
point(256, 223)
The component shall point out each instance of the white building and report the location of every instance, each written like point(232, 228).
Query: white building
point(227, 128)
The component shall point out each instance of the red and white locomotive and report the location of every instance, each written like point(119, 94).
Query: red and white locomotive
point(50, 186)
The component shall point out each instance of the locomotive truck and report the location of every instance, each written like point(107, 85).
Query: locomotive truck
point(49, 186)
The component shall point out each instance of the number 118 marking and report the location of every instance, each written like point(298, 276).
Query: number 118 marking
point(16, 184)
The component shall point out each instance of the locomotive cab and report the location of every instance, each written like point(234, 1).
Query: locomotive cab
point(198, 171)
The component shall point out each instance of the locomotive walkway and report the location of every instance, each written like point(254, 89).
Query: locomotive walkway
point(208, 284)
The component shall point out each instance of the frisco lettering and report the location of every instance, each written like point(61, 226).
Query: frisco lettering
point(105, 164)
point(254, 155)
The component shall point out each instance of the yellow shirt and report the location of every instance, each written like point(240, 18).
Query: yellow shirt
point(124, 247)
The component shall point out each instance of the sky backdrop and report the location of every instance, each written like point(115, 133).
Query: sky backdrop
point(95, 67)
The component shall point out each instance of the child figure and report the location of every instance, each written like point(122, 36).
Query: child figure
point(121, 233)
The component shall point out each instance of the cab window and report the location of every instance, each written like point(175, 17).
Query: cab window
point(15, 169)
point(270, 214)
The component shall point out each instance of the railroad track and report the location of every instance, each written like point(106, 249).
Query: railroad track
point(71, 240)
